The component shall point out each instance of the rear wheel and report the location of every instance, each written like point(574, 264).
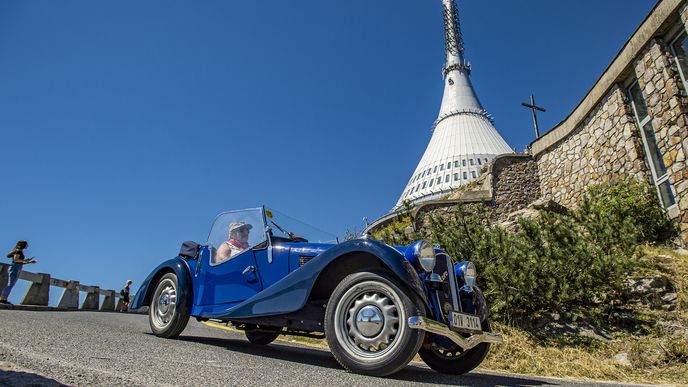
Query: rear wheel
point(366, 324)
point(443, 355)
point(165, 318)
point(261, 338)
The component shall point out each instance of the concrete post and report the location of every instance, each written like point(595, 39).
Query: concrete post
point(70, 296)
point(39, 291)
point(120, 304)
point(4, 276)
point(92, 300)
point(108, 301)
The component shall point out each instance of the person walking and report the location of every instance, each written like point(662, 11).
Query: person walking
point(125, 295)
point(18, 260)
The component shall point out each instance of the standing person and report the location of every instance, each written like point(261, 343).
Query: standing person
point(18, 260)
point(125, 295)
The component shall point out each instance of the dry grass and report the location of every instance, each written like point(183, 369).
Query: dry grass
point(524, 354)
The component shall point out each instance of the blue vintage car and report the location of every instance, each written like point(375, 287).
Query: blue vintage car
point(376, 305)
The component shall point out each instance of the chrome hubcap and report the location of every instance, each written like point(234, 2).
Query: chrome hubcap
point(368, 320)
point(164, 305)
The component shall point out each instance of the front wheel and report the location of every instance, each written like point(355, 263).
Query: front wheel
point(443, 355)
point(365, 324)
point(165, 318)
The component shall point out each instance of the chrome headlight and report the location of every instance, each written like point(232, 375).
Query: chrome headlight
point(470, 274)
point(425, 254)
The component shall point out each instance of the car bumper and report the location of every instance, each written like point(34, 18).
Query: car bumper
point(466, 343)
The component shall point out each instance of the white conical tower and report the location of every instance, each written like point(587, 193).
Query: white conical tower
point(463, 137)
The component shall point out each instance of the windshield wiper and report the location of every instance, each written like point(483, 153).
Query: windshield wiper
point(291, 234)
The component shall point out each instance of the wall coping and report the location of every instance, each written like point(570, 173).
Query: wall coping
point(647, 30)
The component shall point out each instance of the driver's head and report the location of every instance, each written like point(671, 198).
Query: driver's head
point(239, 231)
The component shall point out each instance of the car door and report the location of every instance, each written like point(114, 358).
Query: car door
point(228, 272)
point(233, 280)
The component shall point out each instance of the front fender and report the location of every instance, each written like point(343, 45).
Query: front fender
point(180, 268)
point(291, 293)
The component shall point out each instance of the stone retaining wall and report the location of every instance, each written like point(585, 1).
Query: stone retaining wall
point(605, 146)
point(515, 184)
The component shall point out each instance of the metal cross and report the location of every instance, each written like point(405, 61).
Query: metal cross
point(534, 107)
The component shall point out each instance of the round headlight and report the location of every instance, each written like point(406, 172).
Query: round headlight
point(426, 256)
point(470, 274)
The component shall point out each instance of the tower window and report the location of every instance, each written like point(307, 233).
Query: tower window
point(439, 179)
point(465, 175)
point(472, 163)
point(480, 162)
point(432, 181)
point(463, 162)
point(456, 164)
point(446, 179)
point(442, 167)
point(456, 177)
point(424, 183)
point(474, 174)
point(434, 170)
point(486, 160)
point(449, 165)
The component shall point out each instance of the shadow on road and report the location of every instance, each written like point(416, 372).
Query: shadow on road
point(322, 358)
point(26, 379)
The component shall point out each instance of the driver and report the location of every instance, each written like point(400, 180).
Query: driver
point(238, 241)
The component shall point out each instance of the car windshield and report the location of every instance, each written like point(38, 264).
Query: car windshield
point(234, 232)
point(288, 227)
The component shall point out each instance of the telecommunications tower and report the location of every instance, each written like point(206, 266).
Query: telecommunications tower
point(463, 136)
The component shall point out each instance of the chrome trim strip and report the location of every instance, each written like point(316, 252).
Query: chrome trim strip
point(439, 305)
point(452, 284)
point(466, 343)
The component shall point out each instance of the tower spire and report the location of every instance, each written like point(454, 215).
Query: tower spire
point(452, 33)
point(463, 136)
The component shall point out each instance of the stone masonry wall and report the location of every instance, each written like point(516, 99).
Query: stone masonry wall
point(605, 146)
point(664, 93)
point(515, 184)
point(608, 143)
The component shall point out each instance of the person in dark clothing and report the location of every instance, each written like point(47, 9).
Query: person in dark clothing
point(18, 260)
point(125, 295)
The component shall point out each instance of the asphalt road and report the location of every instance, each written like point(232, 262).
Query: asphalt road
point(111, 349)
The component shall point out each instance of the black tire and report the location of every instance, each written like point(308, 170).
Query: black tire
point(261, 338)
point(381, 347)
point(451, 359)
point(165, 318)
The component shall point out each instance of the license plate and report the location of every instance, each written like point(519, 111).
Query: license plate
point(464, 322)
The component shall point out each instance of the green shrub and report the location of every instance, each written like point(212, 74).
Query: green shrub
point(559, 263)
point(631, 207)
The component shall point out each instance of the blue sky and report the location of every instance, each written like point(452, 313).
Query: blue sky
point(127, 126)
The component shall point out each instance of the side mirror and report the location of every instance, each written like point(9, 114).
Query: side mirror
point(189, 250)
